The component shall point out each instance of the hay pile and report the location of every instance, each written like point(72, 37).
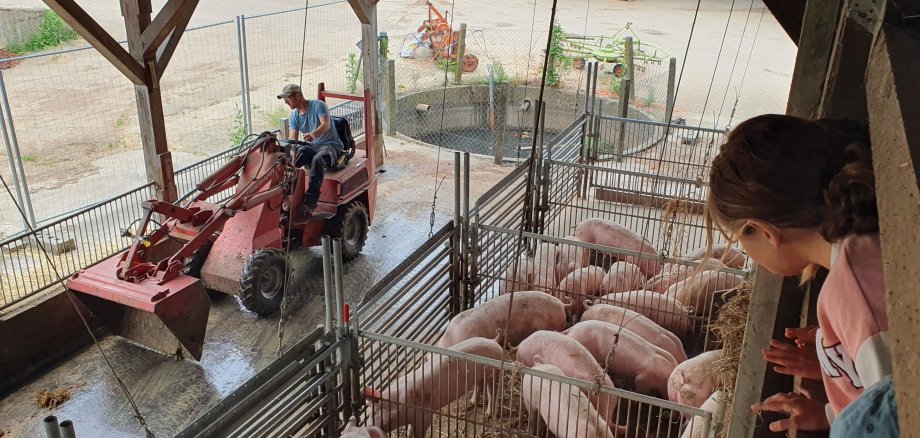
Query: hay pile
point(52, 399)
point(55, 397)
point(729, 327)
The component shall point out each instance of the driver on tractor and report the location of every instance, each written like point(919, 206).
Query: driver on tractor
point(311, 119)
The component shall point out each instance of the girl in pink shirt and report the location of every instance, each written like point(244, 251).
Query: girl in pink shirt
point(798, 194)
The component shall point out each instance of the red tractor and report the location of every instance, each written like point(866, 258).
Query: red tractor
point(233, 244)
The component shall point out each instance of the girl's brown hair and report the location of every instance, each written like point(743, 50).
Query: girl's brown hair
point(793, 173)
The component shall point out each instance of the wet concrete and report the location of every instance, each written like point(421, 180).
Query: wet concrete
point(170, 393)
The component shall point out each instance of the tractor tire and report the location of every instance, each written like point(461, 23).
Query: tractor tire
point(264, 281)
point(619, 70)
point(350, 225)
point(578, 63)
point(192, 268)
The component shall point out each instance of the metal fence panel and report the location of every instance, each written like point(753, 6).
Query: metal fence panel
point(273, 51)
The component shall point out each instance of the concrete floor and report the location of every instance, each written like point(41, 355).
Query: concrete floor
point(171, 393)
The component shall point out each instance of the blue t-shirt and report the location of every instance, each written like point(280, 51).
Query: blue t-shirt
point(309, 121)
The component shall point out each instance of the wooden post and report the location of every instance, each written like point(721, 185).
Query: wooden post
point(845, 91)
point(672, 86)
point(623, 112)
point(366, 11)
point(461, 51)
point(630, 67)
point(501, 125)
point(815, 47)
point(150, 116)
point(894, 120)
point(391, 97)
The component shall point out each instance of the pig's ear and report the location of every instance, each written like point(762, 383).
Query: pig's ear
point(372, 393)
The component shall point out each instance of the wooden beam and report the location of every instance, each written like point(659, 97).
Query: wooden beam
point(150, 115)
point(362, 10)
point(844, 93)
point(169, 47)
point(789, 14)
point(819, 30)
point(92, 32)
point(894, 120)
point(174, 13)
point(765, 299)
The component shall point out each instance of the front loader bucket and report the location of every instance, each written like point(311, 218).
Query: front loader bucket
point(171, 317)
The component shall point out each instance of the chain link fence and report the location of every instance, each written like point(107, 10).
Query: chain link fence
point(72, 148)
point(488, 107)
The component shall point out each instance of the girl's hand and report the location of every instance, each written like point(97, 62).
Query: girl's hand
point(804, 413)
point(802, 336)
point(792, 360)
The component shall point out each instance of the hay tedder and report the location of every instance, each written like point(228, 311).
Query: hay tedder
point(609, 50)
point(155, 292)
point(444, 41)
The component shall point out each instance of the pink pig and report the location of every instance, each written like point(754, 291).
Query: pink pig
point(575, 361)
point(531, 311)
point(352, 430)
point(413, 398)
point(564, 409)
point(623, 277)
point(638, 324)
point(626, 354)
point(664, 310)
point(523, 280)
point(581, 284)
point(570, 258)
point(544, 266)
point(612, 234)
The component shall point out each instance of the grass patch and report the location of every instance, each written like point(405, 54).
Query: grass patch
point(651, 98)
point(272, 117)
point(238, 132)
point(29, 158)
point(52, 32)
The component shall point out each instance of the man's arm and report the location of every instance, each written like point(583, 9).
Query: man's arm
point(293, 134)
point(325, 123)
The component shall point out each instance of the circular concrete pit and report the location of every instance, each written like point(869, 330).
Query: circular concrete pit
point(468, 119)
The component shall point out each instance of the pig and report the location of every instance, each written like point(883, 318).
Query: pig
point(625, 354)
point(638, 324)
point(352, 430)
point(729, 256)
point(670, 273)
point(622, 277)
point(522, 281)
point(697, 291)
point(612, 234)
point(413, 398)
point(532, 311)
point(570, 258)
point(694, 379)
point(664, 310)
point(563, 408)
point(544, 265)
point(575, 361)
point(583, 283)
point(715, 404)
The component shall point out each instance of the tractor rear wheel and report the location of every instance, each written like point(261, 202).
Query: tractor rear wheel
point(264, 281)
point(350, 225)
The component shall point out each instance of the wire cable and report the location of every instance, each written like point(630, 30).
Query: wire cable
point(72, 299)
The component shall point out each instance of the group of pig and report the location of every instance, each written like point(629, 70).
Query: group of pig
point(570, 318)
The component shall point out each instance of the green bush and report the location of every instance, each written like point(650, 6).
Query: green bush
point(352, 72)
point(52, 32)
point(238, 132)
point(558, 62)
